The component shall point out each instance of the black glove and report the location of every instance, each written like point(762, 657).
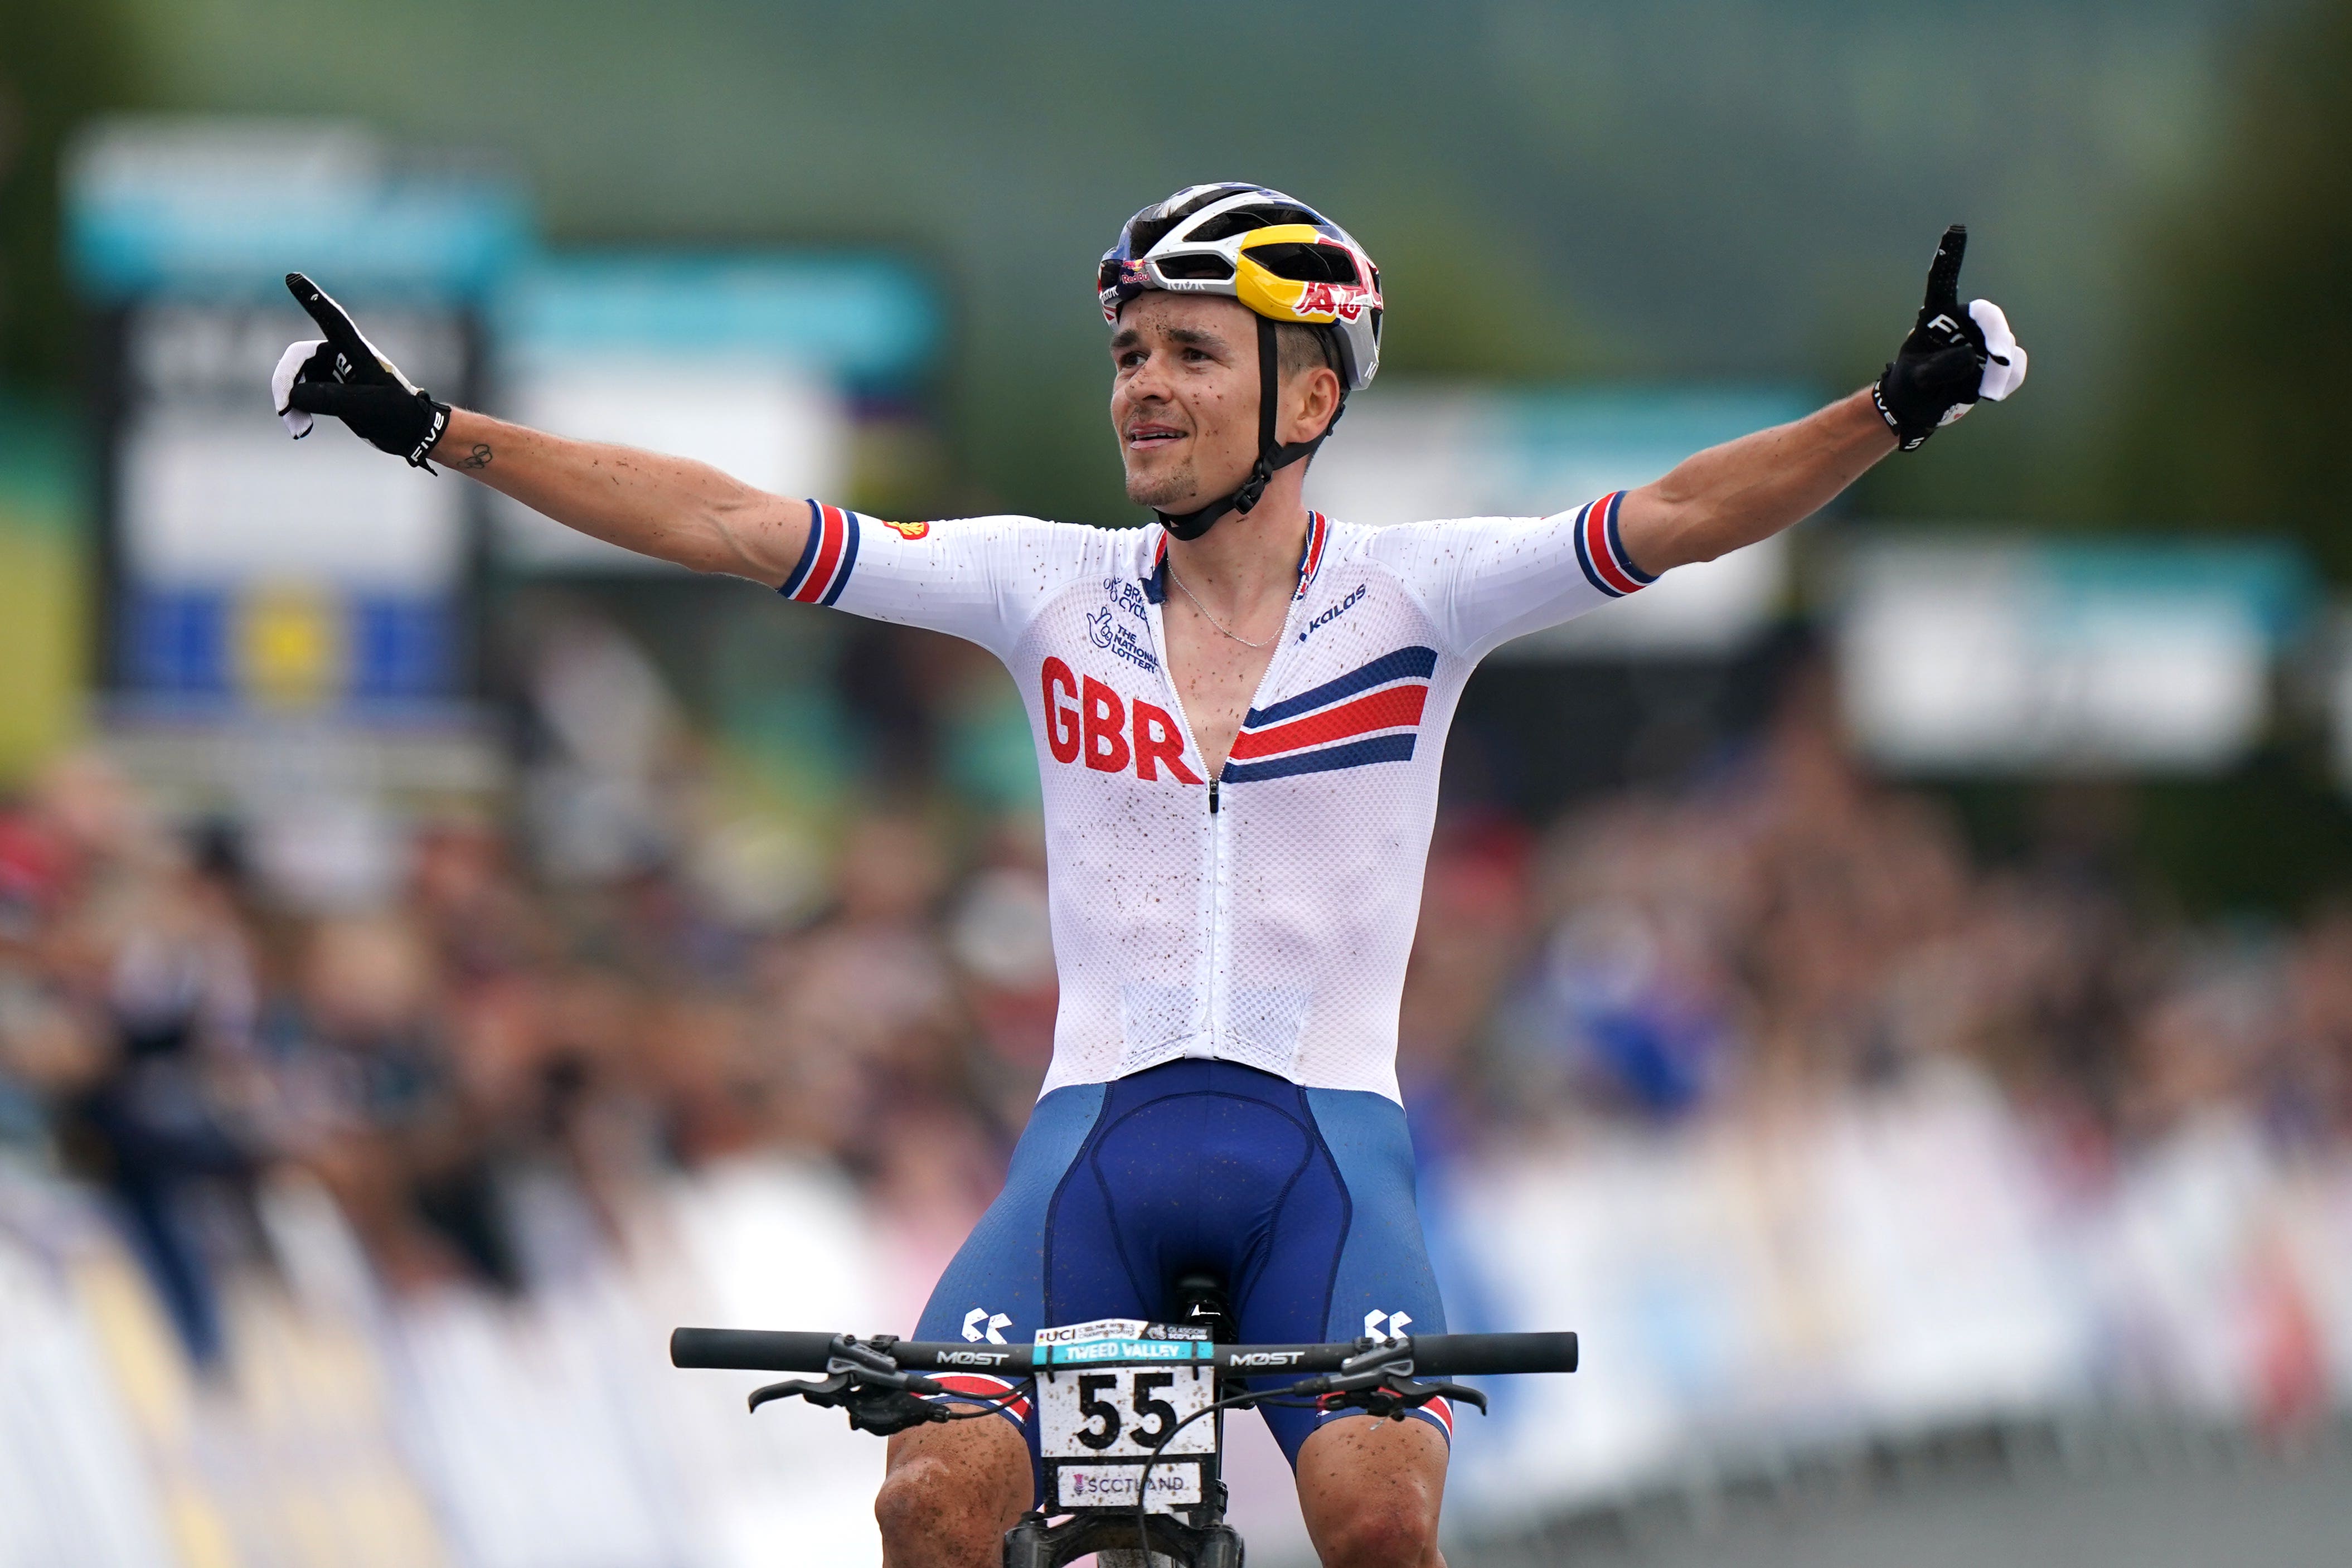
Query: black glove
point(1952, 358)
point(345, 377)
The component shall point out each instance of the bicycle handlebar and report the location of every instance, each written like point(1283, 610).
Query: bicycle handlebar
point(1441, 1355)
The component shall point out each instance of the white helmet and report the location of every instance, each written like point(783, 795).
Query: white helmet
point(1273, 253)
point(1285, 262)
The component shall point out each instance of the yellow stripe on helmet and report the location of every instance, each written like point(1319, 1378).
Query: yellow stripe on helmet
point(1288, 299)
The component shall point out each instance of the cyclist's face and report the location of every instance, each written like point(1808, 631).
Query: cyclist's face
point(1183, 397)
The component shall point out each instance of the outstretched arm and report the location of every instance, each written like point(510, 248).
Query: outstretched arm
point(1751, 488)
point(669, 507)
point(673, 509)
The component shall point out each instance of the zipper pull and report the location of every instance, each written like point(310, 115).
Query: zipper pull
point(1212, 797)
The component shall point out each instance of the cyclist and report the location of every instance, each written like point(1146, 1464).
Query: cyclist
point(1239, 712)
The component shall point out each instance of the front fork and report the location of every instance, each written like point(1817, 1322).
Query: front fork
point(1034, 1544)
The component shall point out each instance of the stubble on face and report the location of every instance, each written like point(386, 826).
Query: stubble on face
point(1170, 475)
point(1162, 487)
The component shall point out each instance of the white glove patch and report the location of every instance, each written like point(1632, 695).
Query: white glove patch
point(2004, 370)
point(281, 386)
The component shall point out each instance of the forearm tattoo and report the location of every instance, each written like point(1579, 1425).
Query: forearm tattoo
point(479, 457)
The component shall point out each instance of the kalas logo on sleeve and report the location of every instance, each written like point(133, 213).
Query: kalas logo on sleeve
point(909, 531)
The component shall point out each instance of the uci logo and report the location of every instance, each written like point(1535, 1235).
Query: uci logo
point(1086, 718)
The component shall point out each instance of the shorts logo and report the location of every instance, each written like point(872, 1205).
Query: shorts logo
point(1379, 1324)
point(980, 1318)
point(909, 531)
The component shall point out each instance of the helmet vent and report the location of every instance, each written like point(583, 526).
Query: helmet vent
point(1241, 220)
point(1306, 263)
point(1209, 266)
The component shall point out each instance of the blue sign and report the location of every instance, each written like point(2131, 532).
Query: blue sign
point(872, 323)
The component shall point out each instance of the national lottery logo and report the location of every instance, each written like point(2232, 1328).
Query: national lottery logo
point(1104, 630)
point(909, 531)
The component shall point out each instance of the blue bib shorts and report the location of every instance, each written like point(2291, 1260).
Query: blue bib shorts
point(1301, 1200)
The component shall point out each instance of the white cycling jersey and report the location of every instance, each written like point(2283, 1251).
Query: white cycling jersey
point(1265, 917)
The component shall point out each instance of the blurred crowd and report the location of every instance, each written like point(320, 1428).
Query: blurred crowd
point(1786, 929)
point(169, 1037)
point(1779, 932)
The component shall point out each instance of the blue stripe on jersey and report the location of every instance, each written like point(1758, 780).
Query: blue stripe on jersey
point(1617, 545)
point(1584, 556)
point(1417, 663)
point(808, 551)
point(1355, 754)
point(848, 558)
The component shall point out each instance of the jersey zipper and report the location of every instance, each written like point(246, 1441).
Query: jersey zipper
point(1220, 915)
point(1220, 922)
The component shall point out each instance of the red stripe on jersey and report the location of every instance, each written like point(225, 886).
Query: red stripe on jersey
point(1596, 544)
point(981, 1385)
point(1318, 528)
point(829, 556)
point(1390, 709)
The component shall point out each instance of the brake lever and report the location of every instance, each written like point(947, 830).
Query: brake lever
point(867, 1383)
point(1378, 1379)
point(1394, 1396)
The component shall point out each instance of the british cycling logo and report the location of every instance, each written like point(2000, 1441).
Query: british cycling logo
point(981, 1324)
point(1333, 613)
point(1105, 631)
point(909, 531)
point(1129, 596)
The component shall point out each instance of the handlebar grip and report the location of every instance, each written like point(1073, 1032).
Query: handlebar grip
point(750, 1350)
point(1482, 1354)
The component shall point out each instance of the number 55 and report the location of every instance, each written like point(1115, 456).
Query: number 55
point(1163, 1414)
point(1096, 1409)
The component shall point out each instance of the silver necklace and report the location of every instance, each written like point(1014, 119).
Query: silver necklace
point(1208, 618)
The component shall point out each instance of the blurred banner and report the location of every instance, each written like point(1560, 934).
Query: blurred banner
point(248, 574)
point(758, 365)
point(2065, 658)
point(1415, 452)
point(42, 636)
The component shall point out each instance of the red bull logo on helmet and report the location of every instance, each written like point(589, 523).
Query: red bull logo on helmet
point(1346, 300)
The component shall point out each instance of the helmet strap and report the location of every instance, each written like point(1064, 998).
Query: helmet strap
point(1272, 455)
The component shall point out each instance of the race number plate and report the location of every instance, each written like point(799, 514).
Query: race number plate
point(1106, 1391)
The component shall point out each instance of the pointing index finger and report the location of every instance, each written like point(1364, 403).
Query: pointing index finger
point(333, 320)
point(1944, 274)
